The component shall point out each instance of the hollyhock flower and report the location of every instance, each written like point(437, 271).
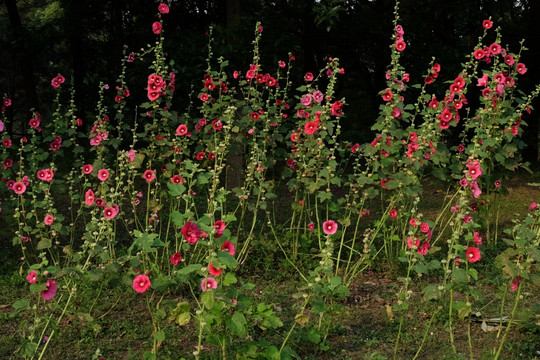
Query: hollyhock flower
point(533, 206)
point(487, 24)
point(515, 283)
point(479, 54)
point(495, 48)
point(87, 169)
point(181, 130)
point(191, 232)
point(422, 250)
point(141, 283)
point(306, 100)
point(208, 283)
point(7, 102)
point(475, 189)
point(131, 155)
point(228, 247)
point(467, 219)
point(497, 183)
point(396, 113)
point(330, 227)
point(413, 222)
point(219, 226)
point(483, 80)
point(406, 77)
point(50, 291)
point(521, 68)
point(509, 60)
point(177, 179)
point(6, 143)
point(413, 241)
point(463, 182)
point(19, 188)
point(499, 78)
point(424, 227)
point(428, 79)
point(156, 27)
point(34, 123)
point(477, 238)
point(387, 96)
point(392, 213)
point(310, 127)
point(163, 8)
point(89, 197)
point(200, 156)
point(214, 271)
point(110, 212)
point(103, 174)
point(400, 45)
point(8, 163)
point(217, 124)
point(473, 254)
point(308, 76)
point(474, 169)
point(355, 147)
point(57, 81)
point(49, 219)
point(318, 96)
point(176, 258)
point(149, 175)
point(32, 277)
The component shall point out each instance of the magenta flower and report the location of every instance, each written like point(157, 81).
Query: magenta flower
point(87, 169)
point(156, 28)
point(413, 241)
point(19, 188)
point(330, 227)
point(141, 283)
point(228, 247)
point(475, 189)
point(89, 197)
point(50, 291)
point(149, 175)
point(191, 232)
point(163, 8)
point(103, 174)
point(49, 219)
point(110, 212)
point(176, 258)
point(32, 277)
point(424, 248)
point(213, 270)
point(473, 254)
point(477, 238)
point(181, 130)
point(208, 283)
point(474, 169)
point(533, 206)
point(424, 227)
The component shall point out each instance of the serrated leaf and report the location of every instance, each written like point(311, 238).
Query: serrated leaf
point(189, 269)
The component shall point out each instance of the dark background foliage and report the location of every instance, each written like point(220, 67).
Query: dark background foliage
point(84, 41)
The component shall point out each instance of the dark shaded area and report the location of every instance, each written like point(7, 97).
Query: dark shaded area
point(84, 41)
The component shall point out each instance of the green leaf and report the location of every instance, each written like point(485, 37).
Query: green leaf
point(149, 356)
point(473, 273)
point(189, 269)
point(21, 304)
point(176, 189)
point(207, 299)
point(28, 349)
point(431, 292)
point(314, 336)
point(226, 259)
point(459, 275)
point(37, 288)
point(44, 244)
point(229, 279)
point(160, 336)
point(237, 324)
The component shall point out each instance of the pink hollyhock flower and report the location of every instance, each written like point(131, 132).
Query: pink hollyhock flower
point(110, 212)
point(497, 183)
point(387, 96)
point(330, 227)
point(103, 174)
point(413, 222)
point(479, 54)
point(7, 102)
point(483, 80)
point(163, 8)
point(392, 213)
point(191, 232)
point(204, 97)
point(213, 270)
point(475, 189)
point(156, 27)
point(6, 143)
point(413, 241)
point(208, 283)
point(463, 182)
point(473, 254)
point(87, 169)
point(308, 76)
point(400, 45)
point(474, 169)
point(515, 283)
point(34, 123)
point(181, 130)
point(57, 81)
point(219, 226)
point(149, 175)
point(533, 206)
point(487, 24)
point(89, 197)
point(318, 96)
point(217, 124)
point(176, 258)
point(228, 247)
point(141, 283)
point(306, 100)
point(19, 188)
point(49, 219)
point(521, 68)
point(424, 227)
point(495, 48)
point(177, 179)
point(477, 238)
point(509, 60)
point(310, 127)
point(32, 277)
point(424, 248)
point(50, 291)
point(467, 219)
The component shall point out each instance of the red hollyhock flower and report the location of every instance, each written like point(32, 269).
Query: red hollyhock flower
point(487, 24)
point(213, 270)
point(217, 124)
point(228, 247)
point(473, 254)
point(176, 179)
point(308, 76)
point(156, 28)
point(330, 227)
point(141, 283)
point(191, 232)
point(200, 156)
point(149, 175)
point(176, 258)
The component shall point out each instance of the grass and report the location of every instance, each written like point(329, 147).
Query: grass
point(115, 320)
